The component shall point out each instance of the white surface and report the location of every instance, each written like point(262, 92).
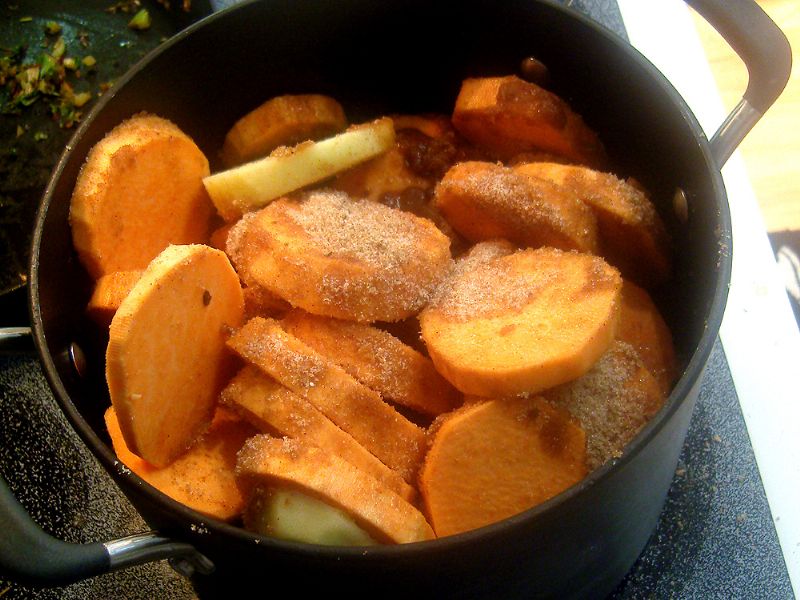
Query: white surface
point(759, 334)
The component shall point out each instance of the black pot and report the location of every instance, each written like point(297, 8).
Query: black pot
point(410, 56)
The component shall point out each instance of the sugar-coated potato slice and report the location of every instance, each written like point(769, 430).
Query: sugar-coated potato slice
point(612, 402)
point(140, 190)
point(108, 293)
point(204, 477)
point(253, 185)
point(642, 326)
point(287, 514)
point(274, 408)
point(379, 177)
point(378, 360)
point(266, 460)
point(358, 410)
point(522, 322)
point(494, 459)
point(483, 201)
point(632, 235)
point(334, 256)
point(166, 358)
point(282, 121)
point(508, 116)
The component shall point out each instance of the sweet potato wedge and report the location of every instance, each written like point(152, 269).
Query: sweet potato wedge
point(109, 292)
point(166, 356)
point(282, 121)
point(612, 402)
point(388, 517)
point(378, 360)
point(255, 184)
point(275, 409)
point(139, 190)
point(642, 326)
point(507, 116)
point(204, 477)
point(483, 201)
point(494, 459)
point(334, 256)
point(522, 322)
point(358, 410)
point(632, 235)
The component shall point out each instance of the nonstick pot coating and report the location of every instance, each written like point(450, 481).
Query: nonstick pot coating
point(411, 56)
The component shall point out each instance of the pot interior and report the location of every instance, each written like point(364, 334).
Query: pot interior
point(379, 58)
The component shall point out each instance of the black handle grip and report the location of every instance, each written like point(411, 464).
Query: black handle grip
point(759, 43)
point(766, 52)
point(28, 554)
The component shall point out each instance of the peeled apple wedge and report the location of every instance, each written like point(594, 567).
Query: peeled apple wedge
point(292, 515)
point(253, 185)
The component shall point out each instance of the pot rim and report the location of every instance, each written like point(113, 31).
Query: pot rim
point(132, 483)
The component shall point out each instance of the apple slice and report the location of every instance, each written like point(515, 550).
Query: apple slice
point(253, 185)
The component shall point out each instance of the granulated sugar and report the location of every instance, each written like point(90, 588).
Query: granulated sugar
point(612, 402)
point(367, 231)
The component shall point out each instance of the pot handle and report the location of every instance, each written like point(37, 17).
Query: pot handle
point(764, 49)
point(30, 555)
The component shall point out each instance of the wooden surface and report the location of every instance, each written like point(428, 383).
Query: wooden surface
point(771, 151)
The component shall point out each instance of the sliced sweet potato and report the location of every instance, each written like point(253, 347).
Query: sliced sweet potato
point(204, 477)
point(282, 121)
point(508, 115)
point(378, 360)
point(432, 125)
point(109, 292)
point(485, 201)
point(268, 460)
point(522, 322)
point(642, 326)
point(334, 256)
point(358, 410)
point(494, 459)
point(612, 402)
point(139, 190)
point(632, 235)
point(275, 409)
point(166, 356)
point(384, 175)
point(255, 184)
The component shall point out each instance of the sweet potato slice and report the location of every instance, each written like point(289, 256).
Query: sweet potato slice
point(166, 356)
point(632, 235)
point(358, 410)
point(494, 459)
point(275, 409)
point(484, 201)
point(204, 477)
point(522, 322)
point(642, 326)
point(334, 256)
point(378, 360)
point(612, 402)
point(508, 115)
point(282, 121)
point(109, 292)
point(255, 184)
point(289, 462)
point(379, 177)
point(139, 190)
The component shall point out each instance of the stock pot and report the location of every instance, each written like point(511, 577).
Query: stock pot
point(393, 57)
